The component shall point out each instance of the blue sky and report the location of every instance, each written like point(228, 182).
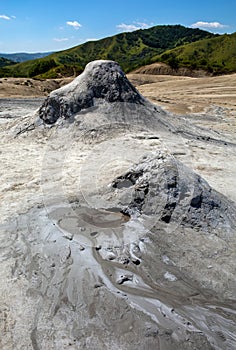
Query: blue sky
point(44, 25)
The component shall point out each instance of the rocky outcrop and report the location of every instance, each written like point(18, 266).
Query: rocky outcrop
point(101, 81)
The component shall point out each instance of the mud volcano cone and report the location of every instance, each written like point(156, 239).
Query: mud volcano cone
point(101, 81)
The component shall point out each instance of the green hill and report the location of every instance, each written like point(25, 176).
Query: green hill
point(5, 62)
point(216, 55)
point(130, 50)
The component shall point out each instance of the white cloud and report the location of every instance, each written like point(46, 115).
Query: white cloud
point(59, 40)
point(213, 25)
point(74, 24)
point(5, 17)
point(131, 27)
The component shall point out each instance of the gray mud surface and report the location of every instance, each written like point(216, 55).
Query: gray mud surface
point(15, 108)
point(109, 240)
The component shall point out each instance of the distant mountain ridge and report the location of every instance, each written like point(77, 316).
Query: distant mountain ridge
point(24, 56)
point(131, 50)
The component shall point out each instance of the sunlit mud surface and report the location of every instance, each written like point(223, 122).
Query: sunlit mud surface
point(91, 260)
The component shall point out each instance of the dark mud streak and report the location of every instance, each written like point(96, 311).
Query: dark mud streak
point(191, 135)
point(33, 337)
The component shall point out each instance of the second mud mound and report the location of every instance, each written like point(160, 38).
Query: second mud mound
point(164, 187)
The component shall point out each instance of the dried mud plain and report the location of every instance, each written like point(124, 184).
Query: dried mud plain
point(54, 289)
